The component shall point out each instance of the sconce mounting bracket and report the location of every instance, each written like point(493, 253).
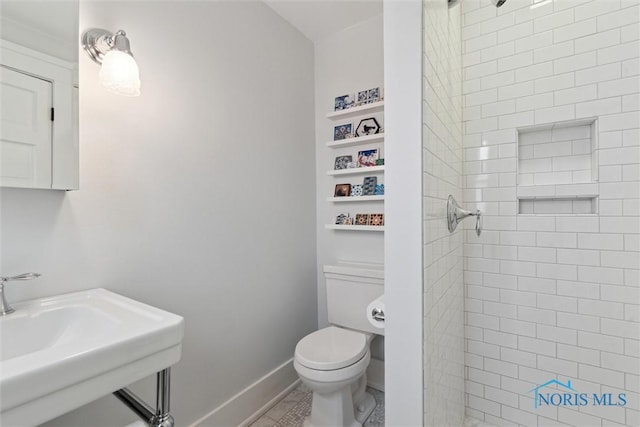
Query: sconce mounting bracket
point(97, 43)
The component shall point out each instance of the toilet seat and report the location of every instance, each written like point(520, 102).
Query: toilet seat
point(331, 348)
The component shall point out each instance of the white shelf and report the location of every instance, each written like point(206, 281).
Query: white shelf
point(356, 171)
point(378, 198)
point(349, 142)
point(355, 227)
point(374, 107)
point(557, 191)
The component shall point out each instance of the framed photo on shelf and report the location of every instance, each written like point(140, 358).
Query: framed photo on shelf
point(341, 218)
point(368, 126)
point(342, 162)
point(343, 131)
point(343, 102)
point(376, 219)
point(367, 158)
point(369, 186)
point(342, 190)
point(356, 190)
point(362, 219)
point(374, 95)
point(362, 97)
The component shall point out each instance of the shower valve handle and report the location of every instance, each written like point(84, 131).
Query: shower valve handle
point(455, 214)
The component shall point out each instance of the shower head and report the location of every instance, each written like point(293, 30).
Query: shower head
point(498, 3)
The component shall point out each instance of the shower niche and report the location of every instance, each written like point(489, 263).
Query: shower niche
point(558, 168)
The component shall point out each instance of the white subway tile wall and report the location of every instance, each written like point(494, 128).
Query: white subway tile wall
point(561, 155)
point(551, 292)
point(443, 252)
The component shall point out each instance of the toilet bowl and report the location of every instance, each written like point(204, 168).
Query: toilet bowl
point(332, 362)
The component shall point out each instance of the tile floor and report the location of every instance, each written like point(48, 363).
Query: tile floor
point(473, 422)
point(296, 406)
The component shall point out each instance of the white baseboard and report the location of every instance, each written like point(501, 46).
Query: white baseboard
point(252, 402)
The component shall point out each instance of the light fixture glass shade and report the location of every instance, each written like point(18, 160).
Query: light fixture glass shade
point(120, 74)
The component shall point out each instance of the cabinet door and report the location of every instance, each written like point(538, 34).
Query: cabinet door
point(25, 130)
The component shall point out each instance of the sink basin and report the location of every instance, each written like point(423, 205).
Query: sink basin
point(59, 353)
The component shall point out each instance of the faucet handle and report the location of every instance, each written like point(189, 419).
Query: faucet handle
point(24, 276)
point(455, 214)
point(478, 215)
point(5, 308)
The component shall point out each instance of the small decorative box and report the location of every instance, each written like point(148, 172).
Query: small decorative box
point(379, 189)
point(356, 190)
point(380, 162)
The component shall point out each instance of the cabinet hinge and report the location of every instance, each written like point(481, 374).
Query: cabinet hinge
point(52, 113)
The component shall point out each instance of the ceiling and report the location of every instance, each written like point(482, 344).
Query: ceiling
point(318, 19)
point(56, 18)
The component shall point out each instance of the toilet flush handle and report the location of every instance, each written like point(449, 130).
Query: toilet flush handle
point(377, 314)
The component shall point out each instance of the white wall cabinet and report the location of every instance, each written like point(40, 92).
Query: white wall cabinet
point(38, 120)
point(25, 130)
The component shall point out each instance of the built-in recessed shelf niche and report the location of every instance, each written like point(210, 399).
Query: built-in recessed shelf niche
point(558, 168)
point(558, 206)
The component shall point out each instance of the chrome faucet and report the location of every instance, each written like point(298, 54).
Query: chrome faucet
point(5, 308)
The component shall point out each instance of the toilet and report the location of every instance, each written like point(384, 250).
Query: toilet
point(333, 361)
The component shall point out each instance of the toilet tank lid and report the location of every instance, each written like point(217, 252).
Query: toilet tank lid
point(374, 271)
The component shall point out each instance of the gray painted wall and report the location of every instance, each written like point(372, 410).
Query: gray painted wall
point(197, 197)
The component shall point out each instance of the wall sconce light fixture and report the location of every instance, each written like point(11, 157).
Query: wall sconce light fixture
point(119, 72)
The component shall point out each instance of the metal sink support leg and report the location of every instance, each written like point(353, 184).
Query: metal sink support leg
point(161, 417)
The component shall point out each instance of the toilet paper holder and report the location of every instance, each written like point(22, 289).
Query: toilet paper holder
point(377, 314)
point(455, 214)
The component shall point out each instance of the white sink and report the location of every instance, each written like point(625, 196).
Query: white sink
point(59, 353)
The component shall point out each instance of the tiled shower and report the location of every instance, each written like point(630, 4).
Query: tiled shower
point(551, 155)
point(443, 325)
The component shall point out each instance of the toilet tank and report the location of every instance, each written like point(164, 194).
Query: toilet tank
point(350, 289)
